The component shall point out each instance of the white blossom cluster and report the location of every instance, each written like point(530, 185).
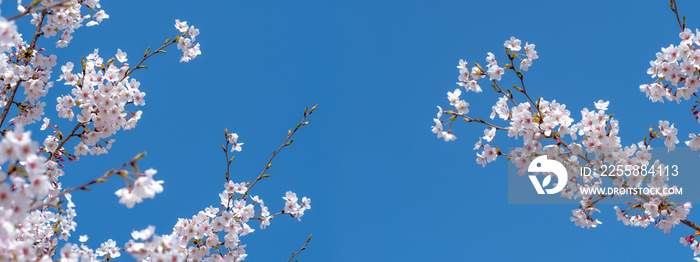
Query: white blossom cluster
point(32, 73)
point(32, 218)
point(29, 232)
point(144, 187)
point(64, 19)
point(186, 44)
point(677, 73)
point(547, 127)
point(100, 93)
point(8, 34)
point(676, 70)
point(26, 234)
point(211, 235)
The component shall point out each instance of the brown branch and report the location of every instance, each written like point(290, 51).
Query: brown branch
point(500, 90)
point(690, 224)
point(72, 132)
point(28, 52)
point(10, 100)
point(469, 119)
point(228, 160)
point(522, 84)
point(674, 8)
point(147, 55)
point(286, 143)
point(302, 248)
point(33, 8)
point(101, 179)
point(37, 33)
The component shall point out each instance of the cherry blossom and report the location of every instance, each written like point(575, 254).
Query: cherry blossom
point(513, 44)
point(233, 139)
point(37, 214)
point(548, 127)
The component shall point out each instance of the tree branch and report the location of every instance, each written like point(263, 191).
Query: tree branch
point(10, 100)
point(37, 33)
point(33, 8)
point(147, 55)
point(65, 139)
point(228, 160)
point(674, 8)
point(691, 224)
point(469, 119)
point(289, 135)
point(302, 248)
point(28, 52)
point(101, 179)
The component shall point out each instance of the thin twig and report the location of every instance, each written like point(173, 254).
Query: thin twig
point(674, 8)
point(302, 248)
point(37, 33)
point(65, 139)
point(522, 85)
point(228, 160)
point(28, 52)
point(41, 9)
point(101, 179)
point(500, 90)
point(284, 144)
point(469, 119)
point(147, 55)
point(10, 100)
point(690, 224)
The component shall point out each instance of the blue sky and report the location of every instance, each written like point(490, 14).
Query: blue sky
point(383, 188)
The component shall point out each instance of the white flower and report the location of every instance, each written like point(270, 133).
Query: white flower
point(448, 136)
point(45, 124)
point(694, 142)
point(454, 96)
point(525, 64)
point(496, 72)
point(491, 59)
point(181, 26)
point(530, 51)
point(600, 105)
point(513, 44)
point(121, 56)
point(437, 128)
point(489, 134)
point(462, 107)
point(233, 138)
point(127, 198)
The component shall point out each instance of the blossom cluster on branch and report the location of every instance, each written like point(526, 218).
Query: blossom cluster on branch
point(36, 212)
point(547, 127)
